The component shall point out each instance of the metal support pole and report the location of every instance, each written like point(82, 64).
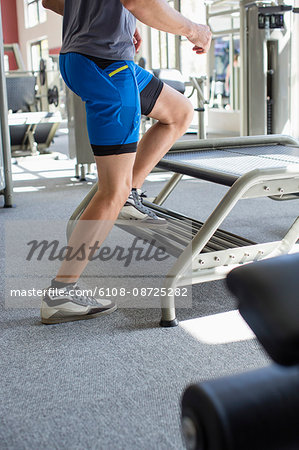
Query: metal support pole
point(8, 190)
point(244, 70)
point(201, 134)
point(77, 171)
point(82, 172)
point(227, 12)
point(167, 189)
point(232, 72)
point(198, 85)
point(178, 65)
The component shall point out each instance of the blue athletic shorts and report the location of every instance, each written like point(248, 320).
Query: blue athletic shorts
point(115, 97)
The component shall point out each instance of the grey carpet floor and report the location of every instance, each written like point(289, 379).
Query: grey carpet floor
point(116, 382)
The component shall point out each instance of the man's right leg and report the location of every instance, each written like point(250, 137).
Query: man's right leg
point(113, 115)
point(115, 177)
point(115, 180)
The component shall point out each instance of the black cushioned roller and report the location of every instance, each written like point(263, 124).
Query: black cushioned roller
point(258, 410)
point(268, 294)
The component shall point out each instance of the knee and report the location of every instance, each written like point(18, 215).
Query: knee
point(115, 196)
point(122, 193)
point(182, 115)
point(186, 113)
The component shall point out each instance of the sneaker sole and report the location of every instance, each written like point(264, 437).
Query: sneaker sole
point(52, 321)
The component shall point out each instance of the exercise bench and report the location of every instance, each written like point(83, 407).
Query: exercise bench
point(251, 167)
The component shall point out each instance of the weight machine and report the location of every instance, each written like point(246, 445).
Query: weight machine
point(263, 90)
point(22, 80)
point(34, 118)
point(266, 70)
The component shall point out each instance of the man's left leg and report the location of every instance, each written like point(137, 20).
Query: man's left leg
point(174, 113)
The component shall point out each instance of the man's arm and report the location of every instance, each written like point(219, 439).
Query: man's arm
point(158, 14)
point(54, 5)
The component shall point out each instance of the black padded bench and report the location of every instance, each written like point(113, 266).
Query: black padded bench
point(260, 409)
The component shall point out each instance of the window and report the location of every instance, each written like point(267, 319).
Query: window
point(39, 50)
point(192, 64)
point(163, 47)
point(34, 13)
point(224, 56)
point(169, 51)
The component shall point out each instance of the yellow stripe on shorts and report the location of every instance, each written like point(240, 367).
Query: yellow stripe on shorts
point(117, 70)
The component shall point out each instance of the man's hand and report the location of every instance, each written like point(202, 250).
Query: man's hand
point(137, 40)
point(201, 37)
point(160, 15)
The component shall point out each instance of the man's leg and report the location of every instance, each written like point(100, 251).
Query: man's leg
point(113, 114)
point(115, 178)
point(174, 113)
point(64, 301)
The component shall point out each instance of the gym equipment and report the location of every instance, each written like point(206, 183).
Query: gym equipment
point(198, 84)
point(32, 90)
point(257, 410)
point(252, 167)
point(32, 132)
point(22, 95)
point(263, 85)
point(6, 187)
point(42, 72)
point(49, 86)
point(142, 62)
point(79, 146)
point(172, 77)
point(53, 96)
point(268, 293)
point(21, 92)
point(223, 114)
point(266, 40)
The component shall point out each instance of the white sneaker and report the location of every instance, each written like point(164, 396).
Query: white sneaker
point(70, 303)
point(136, 211)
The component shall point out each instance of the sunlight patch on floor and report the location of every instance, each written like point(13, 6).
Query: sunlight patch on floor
point(28, 189)
point(222, 328)
point(24, 176)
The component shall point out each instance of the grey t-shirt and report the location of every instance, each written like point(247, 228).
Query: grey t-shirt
point(101, 28)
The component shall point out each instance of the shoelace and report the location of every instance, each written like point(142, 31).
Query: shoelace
point(142, 195)
point(79, 296)
point(138, 196)
point(138, 201)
